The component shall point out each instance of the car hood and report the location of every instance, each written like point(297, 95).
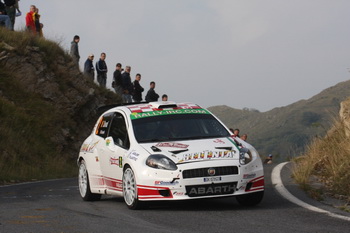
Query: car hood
point(195, 150)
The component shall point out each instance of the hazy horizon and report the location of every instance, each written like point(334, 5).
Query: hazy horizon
point(254, 54)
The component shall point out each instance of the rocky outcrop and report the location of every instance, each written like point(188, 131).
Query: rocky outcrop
point(60, 83)
point(344, 113)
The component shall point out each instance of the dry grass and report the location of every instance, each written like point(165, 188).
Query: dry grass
point(20, 40)
point(328, 159)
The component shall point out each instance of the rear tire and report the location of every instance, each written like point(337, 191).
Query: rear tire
point(130, 190)
point(250, 199)
point(84, 184)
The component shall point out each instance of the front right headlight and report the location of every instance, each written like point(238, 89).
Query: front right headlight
point(160, 161)
point(245, 156)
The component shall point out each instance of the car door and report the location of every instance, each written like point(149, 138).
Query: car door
point(116, 145)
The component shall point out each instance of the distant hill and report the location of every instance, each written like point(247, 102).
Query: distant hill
point(285, 131)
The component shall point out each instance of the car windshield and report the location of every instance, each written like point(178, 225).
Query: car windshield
point(178, 127)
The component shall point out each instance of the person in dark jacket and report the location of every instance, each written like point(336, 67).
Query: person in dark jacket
point(117, 79)
point(137, 96)
point(11, 6)
point(101, 69)
point(74, 49)
point(89, 69)
point(151, 94)
point(4, 18)
point(127, 86)
point(165, 97)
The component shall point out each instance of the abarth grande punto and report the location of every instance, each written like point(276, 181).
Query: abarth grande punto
point(165, 151)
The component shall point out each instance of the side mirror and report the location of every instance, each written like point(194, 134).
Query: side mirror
point(110, 143)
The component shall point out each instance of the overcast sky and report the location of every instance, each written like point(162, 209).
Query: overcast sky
point(258, 54)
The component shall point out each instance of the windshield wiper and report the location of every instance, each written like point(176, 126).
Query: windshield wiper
point(149, 140)
point(224, 147)
point(178, 151)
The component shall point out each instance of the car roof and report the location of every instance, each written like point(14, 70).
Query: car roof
point(147, 107)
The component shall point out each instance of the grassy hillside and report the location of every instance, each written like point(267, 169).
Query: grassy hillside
point(47, 107)
point(285, 131)
point(326, 162)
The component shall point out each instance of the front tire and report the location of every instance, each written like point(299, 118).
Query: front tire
point(250, 199)
point(130, 189)
point(84, 184)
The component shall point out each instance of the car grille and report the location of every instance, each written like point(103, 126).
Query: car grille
point(203, 172)
point(210, 189)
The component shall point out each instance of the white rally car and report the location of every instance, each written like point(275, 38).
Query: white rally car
point(167, 151)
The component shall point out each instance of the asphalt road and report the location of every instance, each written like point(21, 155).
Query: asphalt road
point(55, 206)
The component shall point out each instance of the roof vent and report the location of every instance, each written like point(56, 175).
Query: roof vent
point(164, 105)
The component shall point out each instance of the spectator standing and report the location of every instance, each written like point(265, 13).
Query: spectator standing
point(101, 69)
point(5, 19)
point(268, 159)
point(38, 25)
point(30, 23)
point(236, 133)
point(127, 85)
point(11, 6)
point(165, 97)
point(74, 49)
point(117, 79)
point(138, 89)
point(89, 69)
point(151, 94)
point(244, 137)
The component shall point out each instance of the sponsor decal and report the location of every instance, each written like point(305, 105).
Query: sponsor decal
point(104, 181)
point(249, 176)
point(108, 141)
point(211, 179)
point(137, 115)
point(150, 108)
point(176, 193)
point(104, 124)
point(207, 155)
point(88, 147)
point(219, 141)
point(211, 190)
point(116, 161)
point(172, 144)
point(166, 182)
point(133, 155)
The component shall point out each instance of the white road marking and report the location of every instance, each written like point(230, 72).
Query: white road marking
point(277, 182)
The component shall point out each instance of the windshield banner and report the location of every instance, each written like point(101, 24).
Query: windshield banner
point(137, 115)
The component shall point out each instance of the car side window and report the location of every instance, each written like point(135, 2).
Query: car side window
point(103, 125)
point(118, 131)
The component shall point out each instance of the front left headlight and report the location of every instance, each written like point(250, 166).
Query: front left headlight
point(159, 161)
